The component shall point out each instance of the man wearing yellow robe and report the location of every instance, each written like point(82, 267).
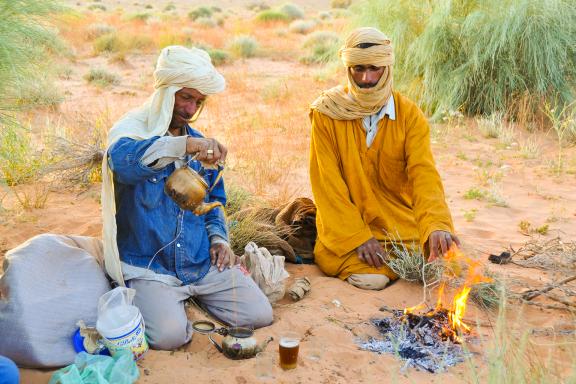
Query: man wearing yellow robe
point(371, 168)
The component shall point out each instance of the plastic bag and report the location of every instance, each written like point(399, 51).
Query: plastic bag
point(98, 369)
point(120, 323)
point(266, 270)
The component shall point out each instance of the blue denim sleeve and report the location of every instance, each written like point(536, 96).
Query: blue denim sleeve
point(125, 160)
point(215, 219)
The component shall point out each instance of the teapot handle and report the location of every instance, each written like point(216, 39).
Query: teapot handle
point(218, 347)
point(220, 331)
point(218, 177)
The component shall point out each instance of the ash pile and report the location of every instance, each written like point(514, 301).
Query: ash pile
point(423, 341)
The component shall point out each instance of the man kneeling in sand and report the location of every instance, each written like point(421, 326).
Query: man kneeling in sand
point(371, 169)
point(168, 254)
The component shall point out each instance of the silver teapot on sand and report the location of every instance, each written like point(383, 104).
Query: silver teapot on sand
point(238, 343)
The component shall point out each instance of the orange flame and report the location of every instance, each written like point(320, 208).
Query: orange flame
point(458, 308)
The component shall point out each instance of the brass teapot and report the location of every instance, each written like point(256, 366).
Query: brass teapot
point(238, 343)
point(188, 189)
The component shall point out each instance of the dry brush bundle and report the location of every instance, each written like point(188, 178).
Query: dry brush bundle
point(257, 225)
point(409, 263)
point(78, 163)
point(554, 254)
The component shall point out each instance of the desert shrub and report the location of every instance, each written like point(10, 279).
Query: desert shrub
point(96, 7)
point(38, 92)
point(292, 11)
point(479, 56)
point(237, 198)
point(148, 6)
point(26, 45)
point(271, 15)
point(107, 43)
point(302, 26)
point(243, 46)
point(258, 6)
point(94, 31)
point(321, 47)
point(20, 161)
point(169, 7)
point(200, 12)
point(340, 3)
point(219, 56)
point(140, 16)
point(102, 77)
point(324, 15)
point(207, 22)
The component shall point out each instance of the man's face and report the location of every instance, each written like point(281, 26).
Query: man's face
point(187, 101)
point(366, 76)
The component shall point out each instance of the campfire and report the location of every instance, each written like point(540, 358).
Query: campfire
point(431, 340)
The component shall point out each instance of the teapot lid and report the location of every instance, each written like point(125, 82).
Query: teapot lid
point(240, 332)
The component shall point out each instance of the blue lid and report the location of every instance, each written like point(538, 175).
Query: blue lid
point(78, 343)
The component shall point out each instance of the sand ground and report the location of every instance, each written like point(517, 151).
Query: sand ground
point(530, 189)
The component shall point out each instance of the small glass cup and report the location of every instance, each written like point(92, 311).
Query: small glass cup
point(313, 349)
point(288, 350)
point(265, 366)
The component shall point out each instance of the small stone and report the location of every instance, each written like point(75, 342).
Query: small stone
point(146, 372)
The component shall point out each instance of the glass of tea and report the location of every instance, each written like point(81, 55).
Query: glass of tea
point(288, 348)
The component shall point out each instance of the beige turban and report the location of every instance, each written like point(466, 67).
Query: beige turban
point(352, 102)
point(177, 67)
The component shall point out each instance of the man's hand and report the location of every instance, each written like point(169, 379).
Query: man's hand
point(208, 150)
point(440, 242)
point(371, 253)
point(222, 256)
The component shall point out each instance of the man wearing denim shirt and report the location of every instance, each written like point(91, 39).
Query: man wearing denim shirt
point(168, 254)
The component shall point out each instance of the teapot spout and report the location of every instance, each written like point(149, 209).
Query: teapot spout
point(204, 208)
point(262, 346)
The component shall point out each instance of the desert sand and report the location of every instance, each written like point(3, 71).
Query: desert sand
point(263, 119)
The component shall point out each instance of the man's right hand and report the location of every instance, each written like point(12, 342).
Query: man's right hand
point(208, 150)
point(372, 253)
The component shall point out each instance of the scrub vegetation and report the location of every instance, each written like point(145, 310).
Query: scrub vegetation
point(495, 77)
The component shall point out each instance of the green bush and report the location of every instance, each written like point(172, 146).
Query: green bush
point(20, 161)
point(292, 11)
point(219, 56)
point(200, 12)
point(27, 43)
point(480, 56)
point(243, 46)
point(96, 7)
point(340, 3)
point(302, 26)
point(101, 77)
point(207, 22)
point(107, 43)
point(169, 7)
point(96, 30)
point(271, 15)
point(321, 47)
point(141, 16)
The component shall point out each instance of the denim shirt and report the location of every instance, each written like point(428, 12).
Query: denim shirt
point(148, 219)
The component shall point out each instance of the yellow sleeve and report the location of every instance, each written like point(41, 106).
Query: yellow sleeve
point(429, 202)
point(340, 226)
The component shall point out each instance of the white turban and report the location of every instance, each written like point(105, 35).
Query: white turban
point(177, 67)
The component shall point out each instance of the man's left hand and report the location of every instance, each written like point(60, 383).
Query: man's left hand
point(440, 242)
point(222, 256)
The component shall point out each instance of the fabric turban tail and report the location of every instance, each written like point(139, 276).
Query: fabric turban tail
point(352, 102)
point(177, 67)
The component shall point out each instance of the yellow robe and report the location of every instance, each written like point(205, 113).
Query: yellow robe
point(390, 191)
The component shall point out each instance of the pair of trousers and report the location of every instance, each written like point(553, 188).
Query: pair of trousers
point(231, 296)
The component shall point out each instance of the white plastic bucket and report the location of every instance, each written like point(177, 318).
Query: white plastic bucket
point(123, 329)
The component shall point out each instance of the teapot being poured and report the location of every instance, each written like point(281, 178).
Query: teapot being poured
point(188, 189)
